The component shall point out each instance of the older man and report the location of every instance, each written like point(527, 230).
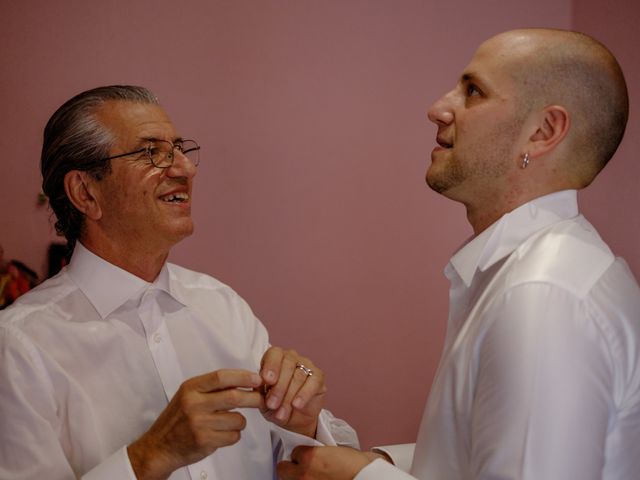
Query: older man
point(540, 374)
point(124, 365)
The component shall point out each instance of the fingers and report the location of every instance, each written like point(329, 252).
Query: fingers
point(323, 463)
point(283, 366)
point(226, 378)
point(288, 471)
point(301, 389)
point(302, 454)
point(271, 361)
point(197, 421)
point(221, 390)
point(232, 398)
point(300, 458)
point(311, 385)
point(291, 386)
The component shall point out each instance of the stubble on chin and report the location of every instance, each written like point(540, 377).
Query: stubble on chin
point(440, 180)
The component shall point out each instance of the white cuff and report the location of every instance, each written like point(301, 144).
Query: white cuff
point(334, 431)
point(382, 470)
point(116, 466)
point(401, 454)
point(330, 431)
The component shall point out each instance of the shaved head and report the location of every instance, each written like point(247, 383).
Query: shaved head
point(575, 71)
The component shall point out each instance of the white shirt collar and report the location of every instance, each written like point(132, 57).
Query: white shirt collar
point(504, 236)
point(107, 286)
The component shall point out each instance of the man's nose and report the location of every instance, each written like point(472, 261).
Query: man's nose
point(182, 166)
point(441, 112)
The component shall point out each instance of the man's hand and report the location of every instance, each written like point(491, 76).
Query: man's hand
point(325, 463)
point(196, 422)
point(294, 395)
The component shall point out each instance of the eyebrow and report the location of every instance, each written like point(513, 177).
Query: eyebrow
point(471, 77)
point(154, 139)
point(468, 77)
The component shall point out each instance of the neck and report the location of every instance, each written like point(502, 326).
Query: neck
point(482, 216)
point(481, 220)
point(485, 210)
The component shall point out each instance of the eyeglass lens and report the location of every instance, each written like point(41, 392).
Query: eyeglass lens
point(162, 153)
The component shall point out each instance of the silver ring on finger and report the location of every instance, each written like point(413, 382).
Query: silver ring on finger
point(307, 371)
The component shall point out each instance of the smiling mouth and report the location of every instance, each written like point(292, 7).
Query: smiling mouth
point(176, 197)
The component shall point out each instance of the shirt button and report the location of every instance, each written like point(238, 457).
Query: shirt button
point(203, 475)
point(158, 338)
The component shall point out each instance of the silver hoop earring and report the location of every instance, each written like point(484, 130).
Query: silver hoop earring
point(525, 161)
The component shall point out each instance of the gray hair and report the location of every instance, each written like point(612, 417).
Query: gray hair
point(74, 139)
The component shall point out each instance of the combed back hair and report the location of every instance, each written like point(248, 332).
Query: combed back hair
point(74, 139)
point(577, 72)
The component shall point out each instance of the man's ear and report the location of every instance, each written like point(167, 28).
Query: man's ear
point(79, 187)
point(553, 126)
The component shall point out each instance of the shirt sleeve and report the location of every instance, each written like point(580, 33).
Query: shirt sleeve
point(30, 447)
point(334, 431)
point(115, 466)
point(401, 454)
point(543, 397)
point(382, 470)
point(331, 431)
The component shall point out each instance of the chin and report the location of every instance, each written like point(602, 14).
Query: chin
point(187, 232)
point(435, 183)
point(179, 232)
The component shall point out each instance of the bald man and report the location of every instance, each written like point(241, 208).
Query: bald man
point(540, 373)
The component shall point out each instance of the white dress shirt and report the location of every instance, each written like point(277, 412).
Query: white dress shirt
point(90, 358)
point(540, 373)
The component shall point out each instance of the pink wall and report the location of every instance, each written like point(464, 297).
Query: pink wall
point(612, 201)
point(310, 199)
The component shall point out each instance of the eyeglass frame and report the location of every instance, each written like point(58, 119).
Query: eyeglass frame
point(173, 147)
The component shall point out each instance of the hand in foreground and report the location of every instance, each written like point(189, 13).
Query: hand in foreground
point(196, 422)
point(325, 463)
point(295, 390)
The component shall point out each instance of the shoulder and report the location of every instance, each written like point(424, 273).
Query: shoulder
point(26, 324)
point(570, 255)
point(42, 301)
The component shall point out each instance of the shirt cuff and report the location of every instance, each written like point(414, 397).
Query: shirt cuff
point(115, 466)
point(401, 454)
point(332, 431)
point(382, 470)
point(285, 441)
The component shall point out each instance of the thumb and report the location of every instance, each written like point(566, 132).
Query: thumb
point(287, 471)
point(301, 454)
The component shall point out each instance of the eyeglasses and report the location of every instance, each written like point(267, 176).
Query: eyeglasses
point(161, 153)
